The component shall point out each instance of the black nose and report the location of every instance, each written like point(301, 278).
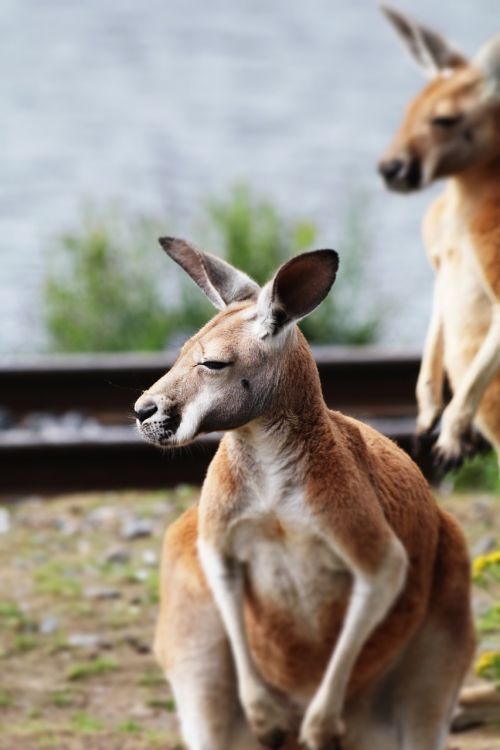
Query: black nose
point(390, 169)
point(147, 409)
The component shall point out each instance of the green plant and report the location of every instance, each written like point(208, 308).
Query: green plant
point(101, 289)
point(62, 698)
point(129, 727)
point(11, 617)
point(25, 642)
point(477, 473)
point(253, 236)
point(5, 699)
point(103, 293)
point(167, 704)
point(488, 666)
point(53, 577)
point(489, 621)
point(84, 670)
point(486, 574)
point(85, 724)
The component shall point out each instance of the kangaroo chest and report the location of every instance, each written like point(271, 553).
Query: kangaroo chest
point(290, 566)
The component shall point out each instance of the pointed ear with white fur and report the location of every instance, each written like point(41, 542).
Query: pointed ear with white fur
point(222, 283)
point(488, 61)
point(298, 287)
point(431, 51)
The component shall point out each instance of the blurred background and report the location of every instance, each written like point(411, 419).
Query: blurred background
point(252, 128)
point(152, 110)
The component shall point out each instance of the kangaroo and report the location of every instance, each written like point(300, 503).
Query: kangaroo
point(452, 130)
point(317, 594)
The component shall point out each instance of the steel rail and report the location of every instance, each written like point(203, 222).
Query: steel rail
point(372, 384)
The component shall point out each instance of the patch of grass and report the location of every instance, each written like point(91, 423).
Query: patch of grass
point(153, 586)
point(152, 678)
point(32, 725)
point(129, 727)
point(62, 698)
point(166, 705)
point(489, 622)
point(58, 643)
point(488, 666)
point(86, 670)
point(154, 738)
point(35, 713)
point(24, 642)
point(55, 579)
point(12, 618)
point(122, 616)
point(5, 699)
point(85, 724)
point(479, 473)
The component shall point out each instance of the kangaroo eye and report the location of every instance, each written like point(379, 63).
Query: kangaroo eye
point(445, 123)
point(212, 364)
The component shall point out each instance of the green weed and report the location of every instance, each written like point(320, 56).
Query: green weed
point(85, 724)
point(86, 670)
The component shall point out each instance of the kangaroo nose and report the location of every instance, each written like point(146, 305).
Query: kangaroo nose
point(390, 169)
point(145, 410)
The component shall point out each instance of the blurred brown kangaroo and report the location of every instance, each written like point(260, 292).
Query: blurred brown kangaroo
point(452, 130)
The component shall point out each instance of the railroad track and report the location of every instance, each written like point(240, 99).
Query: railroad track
point(101, 449)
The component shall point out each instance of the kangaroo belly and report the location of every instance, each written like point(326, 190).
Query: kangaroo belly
point(296, 596)
point(466, 312)
point(297, 592)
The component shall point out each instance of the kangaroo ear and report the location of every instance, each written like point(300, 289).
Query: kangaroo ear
point(221, 282)
point(488, 61)
point(298, 287)
point(431, 51)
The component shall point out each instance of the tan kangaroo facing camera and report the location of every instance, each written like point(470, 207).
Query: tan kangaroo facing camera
point(452, 130)
point(317, 594)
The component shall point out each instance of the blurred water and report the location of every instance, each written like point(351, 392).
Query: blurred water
point(161, 102)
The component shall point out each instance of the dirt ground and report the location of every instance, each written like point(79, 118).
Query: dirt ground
point(78, 600)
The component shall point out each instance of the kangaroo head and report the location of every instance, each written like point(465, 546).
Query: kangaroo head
point(454, 122)
point(232, 370)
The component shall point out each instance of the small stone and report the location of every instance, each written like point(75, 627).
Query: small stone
point(482, 510)
point(49, 625)
point(150, 558)
point(161, 508)
point(484, 545)
point(102, 593)
point(67, 526)
point(141, 711)
point(4, 521)
point(135, 642)
point(480, 604)
point(105, 515)
point(136, 528)
point(88, 641)
point(117, 555)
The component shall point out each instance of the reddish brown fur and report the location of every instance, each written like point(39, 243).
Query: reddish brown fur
point(361, 485)
point(325, 561)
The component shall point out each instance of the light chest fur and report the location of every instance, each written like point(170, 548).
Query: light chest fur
point(290, 564)
point(466, 309)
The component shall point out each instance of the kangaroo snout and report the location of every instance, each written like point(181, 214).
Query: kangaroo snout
point(390, 168)
point(158, 418)
point(144, 408)
point(401, 174)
